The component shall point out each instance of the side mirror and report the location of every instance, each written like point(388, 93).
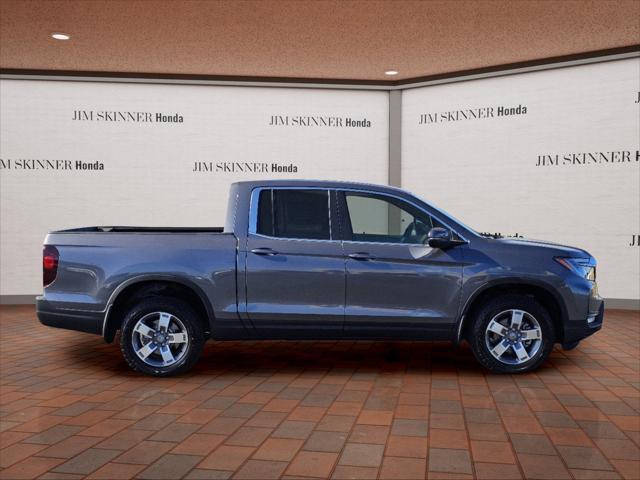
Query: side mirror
point(439, 237)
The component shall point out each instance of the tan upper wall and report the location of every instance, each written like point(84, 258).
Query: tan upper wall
point(306, 39)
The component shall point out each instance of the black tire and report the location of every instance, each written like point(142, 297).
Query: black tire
point(493, 307)
point(177, 308)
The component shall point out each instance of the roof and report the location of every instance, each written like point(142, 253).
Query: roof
point(315, 184)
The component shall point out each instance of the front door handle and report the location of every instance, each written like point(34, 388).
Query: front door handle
point(264, 251)
point(360, 256)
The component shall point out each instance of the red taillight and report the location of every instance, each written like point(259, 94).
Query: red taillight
point(50, 257)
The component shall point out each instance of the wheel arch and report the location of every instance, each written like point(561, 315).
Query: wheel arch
point(138, 287)
point(545, 294)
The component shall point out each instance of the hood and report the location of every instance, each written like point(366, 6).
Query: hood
point(563, 250)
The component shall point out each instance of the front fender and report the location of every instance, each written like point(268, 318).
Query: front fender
point(502, 283)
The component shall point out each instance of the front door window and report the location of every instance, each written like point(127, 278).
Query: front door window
point(376, 218)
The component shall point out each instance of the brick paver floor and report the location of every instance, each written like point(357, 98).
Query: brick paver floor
point(70, 408)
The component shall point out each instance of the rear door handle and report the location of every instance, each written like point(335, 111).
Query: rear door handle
point(360, 256)
point(264, 251)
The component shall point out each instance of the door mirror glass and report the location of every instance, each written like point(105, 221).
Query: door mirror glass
point(439, 237)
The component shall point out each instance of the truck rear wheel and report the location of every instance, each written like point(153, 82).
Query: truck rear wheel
point(161, 336)
point(512, 334)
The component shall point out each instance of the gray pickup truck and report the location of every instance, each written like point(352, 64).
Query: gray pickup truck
point(319, 260)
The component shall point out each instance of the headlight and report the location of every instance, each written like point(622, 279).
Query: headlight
point(585, 267)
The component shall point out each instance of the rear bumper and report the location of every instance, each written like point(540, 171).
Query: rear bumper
point(81, 321)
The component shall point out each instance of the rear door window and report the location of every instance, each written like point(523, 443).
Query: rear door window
point(293, 213)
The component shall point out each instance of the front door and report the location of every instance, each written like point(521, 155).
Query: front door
point(397, 286)
point(295, 272)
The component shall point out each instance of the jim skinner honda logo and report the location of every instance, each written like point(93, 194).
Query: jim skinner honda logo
point(125, 116)
point(318, 121)
point(478, 113)
point(34, 164)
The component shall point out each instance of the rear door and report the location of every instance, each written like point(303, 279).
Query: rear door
point(397, 286)
point(295, 271)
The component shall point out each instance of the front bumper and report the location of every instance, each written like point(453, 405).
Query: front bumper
point(577, 330)
point(80, 320)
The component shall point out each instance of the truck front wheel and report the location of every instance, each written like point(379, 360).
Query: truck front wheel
point(161, 336)
point(512, 334)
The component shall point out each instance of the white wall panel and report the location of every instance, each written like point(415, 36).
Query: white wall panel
point(148, 176)
point(486, 170)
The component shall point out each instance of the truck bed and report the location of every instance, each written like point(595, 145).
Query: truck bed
point(132, 229)
point(97, 262)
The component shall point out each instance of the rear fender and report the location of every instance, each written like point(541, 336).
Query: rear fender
point(109, 333)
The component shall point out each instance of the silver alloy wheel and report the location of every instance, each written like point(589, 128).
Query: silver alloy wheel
point(160, 339)
point(513, 337)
